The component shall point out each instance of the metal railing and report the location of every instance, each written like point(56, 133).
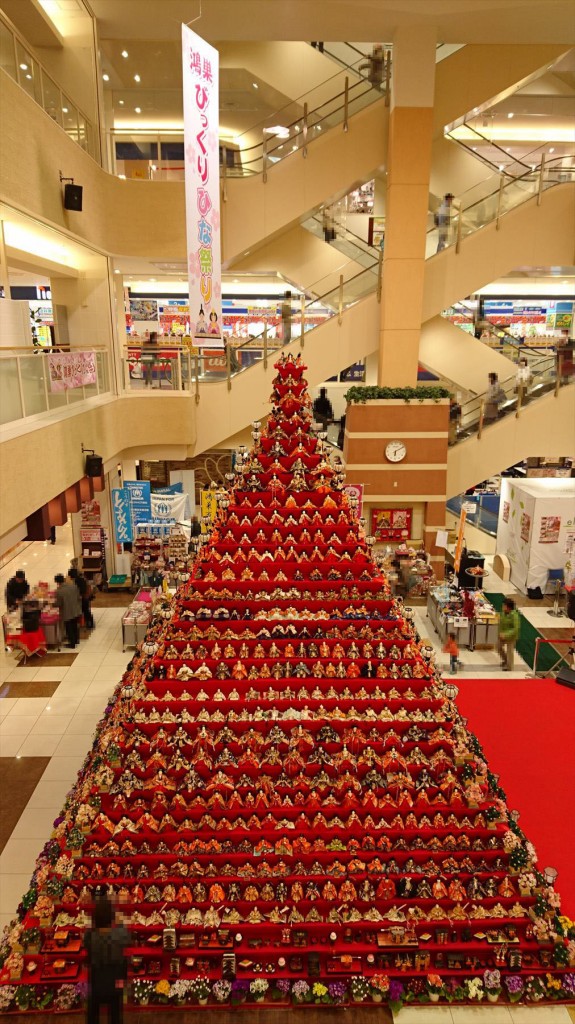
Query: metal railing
point(32, 77)
point(25, 388)
point(477, 414)
point(460, 314)
point(344, 240)
point(489, 201)
point(495, 156)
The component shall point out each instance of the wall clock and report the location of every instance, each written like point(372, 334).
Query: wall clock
point(395, 451)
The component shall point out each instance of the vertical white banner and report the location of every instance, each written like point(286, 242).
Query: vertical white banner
point(200, 67)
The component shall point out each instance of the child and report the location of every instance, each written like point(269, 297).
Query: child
point(452, 650)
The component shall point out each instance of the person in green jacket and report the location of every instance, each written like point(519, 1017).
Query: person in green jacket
point(509, 627)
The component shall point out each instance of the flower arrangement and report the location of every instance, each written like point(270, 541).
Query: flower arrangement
point(221, 990)
point(518, 858)
point(31, 939)
point(553, 986)
point(15, 965)
point(337, 992)
point(26, 997)
point(240, 989)
point(259, 987)
point(515, 987)
point(434, 984)
point(320, 992)
point(54, 887)
point(142, 990)
point(396, 995)
point(75, 839)
point(534, 988)
point(359, 988)
point(527, 883)
point(67, 997)
point(162, 991)
point(179, 990)
point(568, 985)
point(300, 991)
point(281, 988)
point(7, 993)
point(474, 989)
point(379, 983)
point(560, 954)
point(200, 988)
point(492, 982)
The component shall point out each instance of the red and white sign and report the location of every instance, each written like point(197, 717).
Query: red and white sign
point(200, 67)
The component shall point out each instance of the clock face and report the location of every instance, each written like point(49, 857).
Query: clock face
point(395, 451)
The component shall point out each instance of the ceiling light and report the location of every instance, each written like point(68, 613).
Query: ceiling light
point(293, 149)
point(552, 149)
point(137, 78)
point(29, 76)
point(121, 103)
point(511, 115)
point(106, 78)
point(24, 67)
point(501, 167)
point(122, 176)
point(125, 53)
point(138, 110)
point(117, 271)
point(279, 130)
point(255, 85)
point(153, 279)
point(64, 110)
point(153, 167)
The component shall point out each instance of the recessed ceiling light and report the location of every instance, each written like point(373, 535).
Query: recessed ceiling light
point(122, 176)
point(29, 76)
point(106, 78)
point(125, 53)
point(138, 110)
point(137, 78)
point(255, 85)
point(552, 149)
point(64, 110)
point(121, 103)
point(511, 115)
point(117, 271)
point(24, 67)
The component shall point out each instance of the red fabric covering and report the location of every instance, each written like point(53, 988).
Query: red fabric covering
point(527, 730)
point(29, 643)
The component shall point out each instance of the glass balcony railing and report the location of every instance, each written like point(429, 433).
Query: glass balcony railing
point(461, 315)
point(25, 386)
point(489, 201)
point(160, 155)
point(345, 241)
point(17, 62)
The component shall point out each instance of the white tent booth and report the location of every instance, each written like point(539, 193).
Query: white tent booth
point(535, 528)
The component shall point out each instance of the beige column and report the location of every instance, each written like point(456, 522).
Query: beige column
point(409, 162)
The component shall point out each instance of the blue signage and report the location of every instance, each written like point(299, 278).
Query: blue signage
point(171, 489)
point(140, 500)
point(122, 515)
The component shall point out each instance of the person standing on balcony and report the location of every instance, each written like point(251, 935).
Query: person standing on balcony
point(148, 357)
point(443, 221)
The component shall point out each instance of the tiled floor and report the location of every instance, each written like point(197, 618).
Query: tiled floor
point(60, 727)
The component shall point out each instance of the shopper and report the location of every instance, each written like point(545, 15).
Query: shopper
point(70, 607)
point(322, 408)
point(454, 419)
point(443, 219)
point(105, 944)
point(509, 629)
point(494, 398)
point(452, 650)
point(86, 595)
point(523, 379)
point(16, 589)
point(148, 358)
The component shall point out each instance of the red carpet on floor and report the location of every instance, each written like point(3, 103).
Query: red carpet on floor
point(527, 730)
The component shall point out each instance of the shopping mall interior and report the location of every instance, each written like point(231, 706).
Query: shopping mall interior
point(382, 432)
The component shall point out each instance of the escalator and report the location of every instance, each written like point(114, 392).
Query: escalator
point(285, 176)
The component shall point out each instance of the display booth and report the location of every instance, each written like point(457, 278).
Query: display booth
point(536, 522)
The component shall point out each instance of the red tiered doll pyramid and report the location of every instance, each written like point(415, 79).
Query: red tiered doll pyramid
point(282, 796)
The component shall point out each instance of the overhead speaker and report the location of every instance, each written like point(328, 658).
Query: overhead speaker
point(94, 466)
point(566, 677)
point(73, 197)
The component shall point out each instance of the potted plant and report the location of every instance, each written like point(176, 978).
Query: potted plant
point(337, 992)
point(492, 817)
point(319, 992)
point(280, 990)
point(200, 989)
point(534, 988)
point(474, 990)
point(240, 989)
point(142, 990)
point(258, 989)
point(434, 987)
point(396, 995)
point(75, 841)
point(26, 997)
point(15, 966)
point(162, 991)
point(515, 987)
point(221, 990)
point(7, 993)
point(300, 991)
point(379, 987)
point(359, 988)
point(31, 939)
point(492, 984)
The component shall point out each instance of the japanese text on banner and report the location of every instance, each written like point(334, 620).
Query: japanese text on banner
point(200, 65)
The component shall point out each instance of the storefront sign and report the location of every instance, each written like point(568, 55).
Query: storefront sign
point(140, 501)
point(121, 511)
point(169, 508)
point(391, 523)
point(69, 370)
point(200, 67)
